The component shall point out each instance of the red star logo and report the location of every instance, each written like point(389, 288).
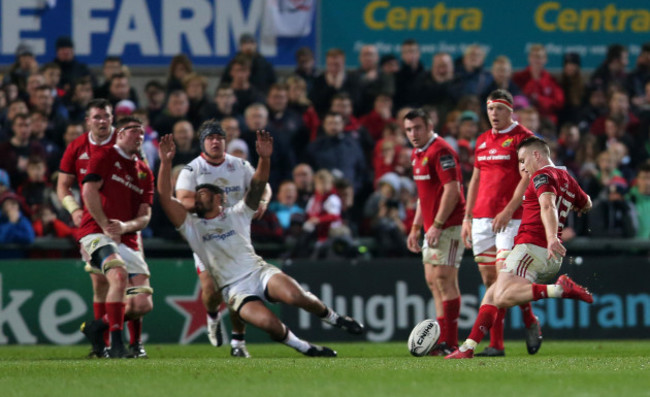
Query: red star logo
point(191, 307)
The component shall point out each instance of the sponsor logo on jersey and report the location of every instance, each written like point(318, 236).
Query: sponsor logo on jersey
point(230, 167)
point(483, 146)
point(540, 180)
point(494, 157)
point(507, 142)
point(425, 161)
point(492, 151)
point(82, 171)
point(447, 162)
point(218, 236)
point(421, 177)
point(117, 165)
point(231, 189)
point(128, 184)
point(84, 156)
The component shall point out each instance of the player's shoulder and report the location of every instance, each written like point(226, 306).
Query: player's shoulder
point(236, 162)
point(544, 176)
point(78, 142)
point(522, 132)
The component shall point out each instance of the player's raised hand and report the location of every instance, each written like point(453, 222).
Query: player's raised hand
point(555, 249)
point(166, 148)
point(264, 144)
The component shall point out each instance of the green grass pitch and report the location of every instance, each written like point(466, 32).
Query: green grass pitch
point(566, 369)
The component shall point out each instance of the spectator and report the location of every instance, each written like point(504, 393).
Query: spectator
point(639, 195)
point(502, 78)
point(333, 81)
point(53, 152)
point(595, 107)
point(5, 182)
point(372, 82)
point(112, 65)
point(186, 147)
point(435, 87)
point(611, 72)
point(574, 88)
point(299, 102)
point(387, 149)
point(238, 148)
point(638, 79)
point(529, 118)
point(230, 125)
point(389, 66)
point(15, 153)
point(281, 118)
point(337, 150)
point(262, 74)
point(409, 75)
point(155, 93)
point(48, 225)
point(15, 228)
point(195, 86)
point(119, 89)
point(284, 206)
point(57, 116)
point(303, 178)
point(78, 99)
point(34, 81)
point(539, 86)
point(52, 74)
point(179, 67)
point(177, 107)
point(15, 107)
point(323, 211)
point(71, 69)
point(343, 105)
point(568, 146)
point(123, 109)
point(72, 132)
point(468, 128)
point(618, 104)
point(24, 65)
point(224, 104)
point(612, 215)
point(240, 74)
point(36, 190)
point(150, 144)
point(470, 77)
point(306, 67)
point(381, 115)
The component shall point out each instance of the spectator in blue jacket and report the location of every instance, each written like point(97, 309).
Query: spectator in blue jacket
point(15, 228)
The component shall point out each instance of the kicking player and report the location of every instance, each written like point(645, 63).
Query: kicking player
point(538, 252)
point(440, 209)
point(118, 194)
point(494, 210)
point(233, 175)
point(73, 168)
point(220, 236)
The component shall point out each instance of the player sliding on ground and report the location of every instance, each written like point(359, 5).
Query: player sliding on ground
point(221, 239)
point(538, 252)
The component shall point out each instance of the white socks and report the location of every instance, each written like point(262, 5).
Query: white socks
point(554, 291)
point(331, 317)
point(295, 342)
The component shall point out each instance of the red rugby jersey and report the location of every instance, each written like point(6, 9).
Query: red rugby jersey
point(78, 153)
point(433, 166)
point(496, 157)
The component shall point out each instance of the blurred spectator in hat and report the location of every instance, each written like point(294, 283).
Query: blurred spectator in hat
point(179, 67)
point(470, 76)
point(539, 86)
point(119, 89)
point(435, 87)
point(574, 88)
point(333, 80)
point(468, 127)
point(24, 65)
point(177, 107)
point(71, 69)
point(262, 74)
point(639, 195)
point(15, 228)
point(502, 78)
point(124, 108)
point(306, 67)
point(154, 91)
point(78, 98)
point(409, 75)
point(638, 79)
point(196, 86)
point(15, 153)
point(611, 73)
point(238, 148)
point(389, 66)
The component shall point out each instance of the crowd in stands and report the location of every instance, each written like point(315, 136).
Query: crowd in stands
point(341, 164)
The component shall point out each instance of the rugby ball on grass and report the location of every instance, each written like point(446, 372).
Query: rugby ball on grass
point(424, 337)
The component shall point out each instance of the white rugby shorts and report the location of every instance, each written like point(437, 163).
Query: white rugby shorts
point(134, 260)
point(251, 286)
point(484, 238)
point(449, 250)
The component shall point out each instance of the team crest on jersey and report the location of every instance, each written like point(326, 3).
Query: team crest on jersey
point(142, 175)
point(230, 167)
point(507, 142)
point(425, 161)
point(540, 180)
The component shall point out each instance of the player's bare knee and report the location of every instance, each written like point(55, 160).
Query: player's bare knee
point(140, 305)
point(117, 277)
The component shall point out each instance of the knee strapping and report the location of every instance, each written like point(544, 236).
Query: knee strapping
point(485, 258)
point(139, 289)
point(502, 254)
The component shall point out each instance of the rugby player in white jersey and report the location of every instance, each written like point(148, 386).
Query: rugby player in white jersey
point(233, 175)
point(220, 236)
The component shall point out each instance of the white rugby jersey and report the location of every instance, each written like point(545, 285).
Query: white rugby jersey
point(224, 243)
point(233, 176)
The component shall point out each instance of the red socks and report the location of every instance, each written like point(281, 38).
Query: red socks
point(99, 310)
point(487, 314)
point(115, 315)
point(443, 329)
point(135, 330)
point(539, 292)
point(451, 310)
point(527, 314)
point(496, 332)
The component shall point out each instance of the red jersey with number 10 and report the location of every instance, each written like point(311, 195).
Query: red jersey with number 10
point(433, 166)
point(549, 179)
point(127, 183)
point(496, 158)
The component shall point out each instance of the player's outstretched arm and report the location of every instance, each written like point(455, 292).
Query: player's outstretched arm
point(264, 147)
point(172, 207)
